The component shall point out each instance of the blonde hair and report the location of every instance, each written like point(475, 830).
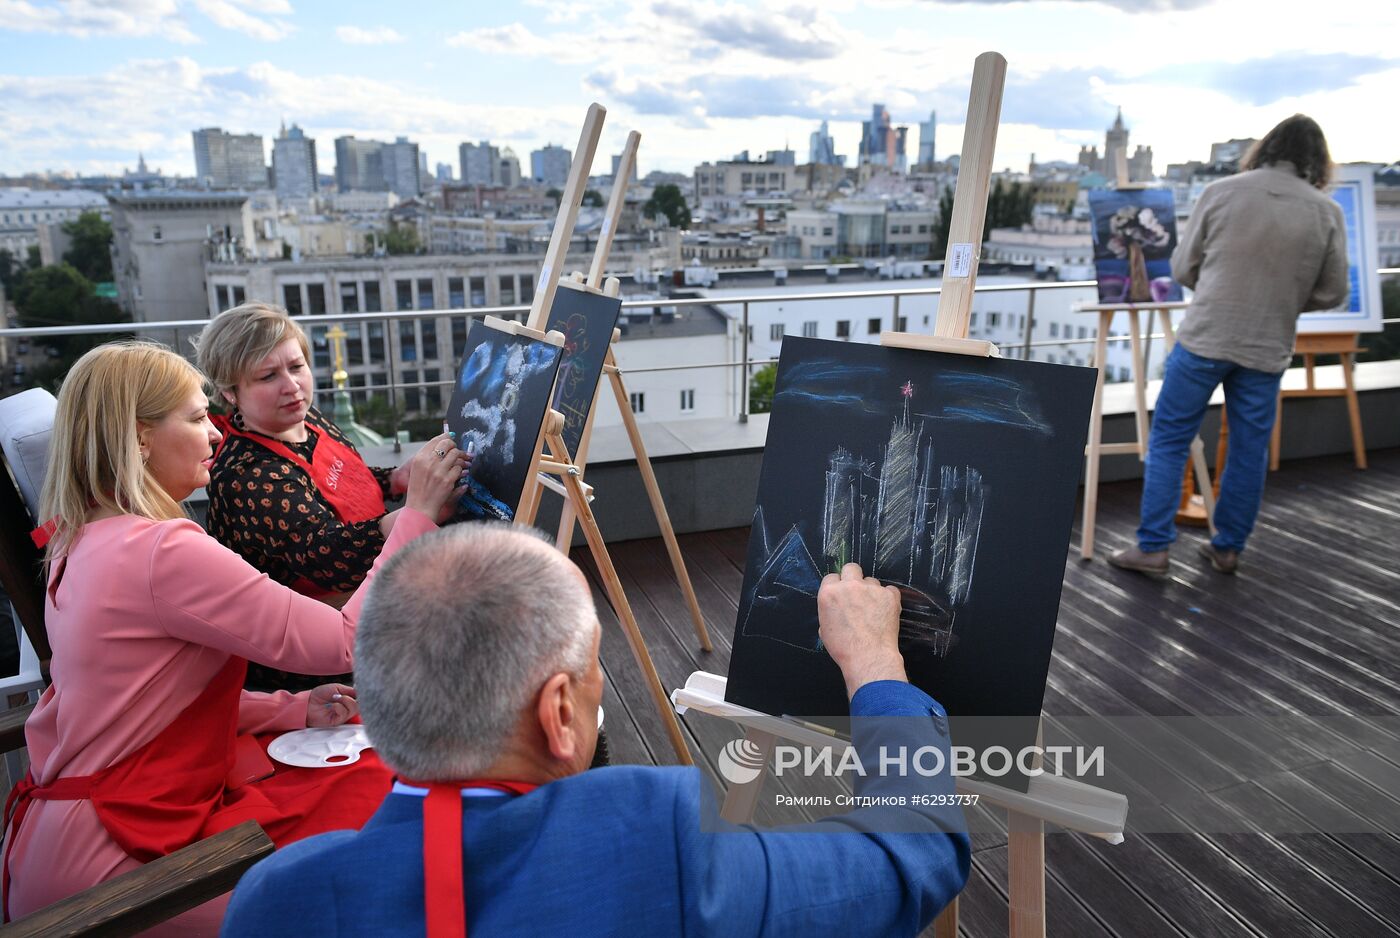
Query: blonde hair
point(238, 339)
point(95, 453)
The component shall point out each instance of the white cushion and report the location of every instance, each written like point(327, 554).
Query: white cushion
point(26, 423)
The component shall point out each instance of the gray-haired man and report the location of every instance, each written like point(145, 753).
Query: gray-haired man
point(479, 682)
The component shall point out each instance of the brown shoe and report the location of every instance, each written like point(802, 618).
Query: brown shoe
point(1224, 561)
point(1156, 561)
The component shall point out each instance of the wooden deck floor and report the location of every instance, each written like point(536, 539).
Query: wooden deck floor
point(1311, 624)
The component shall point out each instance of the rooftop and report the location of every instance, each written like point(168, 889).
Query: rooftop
point(1309, 626)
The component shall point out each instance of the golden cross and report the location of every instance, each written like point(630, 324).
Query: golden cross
point(337, 336)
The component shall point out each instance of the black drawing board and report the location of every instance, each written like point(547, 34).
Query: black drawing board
point(951, 476)
point(498, 404)
point(587, 320)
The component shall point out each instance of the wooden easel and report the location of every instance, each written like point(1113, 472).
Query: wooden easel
point(1310, 345)
point(1096, 449)
point(560, 462)
point(1069, 804)
point(1192, 511)
point(594, 281)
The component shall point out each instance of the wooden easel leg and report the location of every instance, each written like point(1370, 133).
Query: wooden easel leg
point(1025, 841)
point(658, 505)
point(1198, 460)
point(1139, 379)
point(564, 538)
point(742, 798)
point(946, 925)
point(1091, 462)
point(1358, 443)
point(613, 585)
point(529, 503)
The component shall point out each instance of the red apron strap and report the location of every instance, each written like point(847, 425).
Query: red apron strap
point(444, 885)
point(339, 474)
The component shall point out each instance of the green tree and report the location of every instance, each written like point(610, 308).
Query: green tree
point(61, 296)
point(91, 249)
point(594, 198)
point(10, 272)
point(667, 200)
point(556, 194)
point(761, 389)
point(379, 415)
point(401, 239)
point(944, 223)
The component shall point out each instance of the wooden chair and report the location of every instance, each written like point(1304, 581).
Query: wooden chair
point(159, 890)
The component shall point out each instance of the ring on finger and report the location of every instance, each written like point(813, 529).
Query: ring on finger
point(441, 453)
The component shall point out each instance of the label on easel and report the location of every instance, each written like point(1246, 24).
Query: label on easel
point(960, 260)
point(606, 229)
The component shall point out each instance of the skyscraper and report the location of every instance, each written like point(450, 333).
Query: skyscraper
point(1115, 142)
point(229, 161)
point(510, 168)
point(550, 165)
point(822, 149)
point(294, 164)
point(926, 136)
point(617, 159)
point(403, 168)
point(359, 165)
point(480, 164)
point(375, 166)
point(877, 140)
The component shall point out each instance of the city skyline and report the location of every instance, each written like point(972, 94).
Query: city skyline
point(87, 89)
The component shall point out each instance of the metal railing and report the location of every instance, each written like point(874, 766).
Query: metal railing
point(745, 363)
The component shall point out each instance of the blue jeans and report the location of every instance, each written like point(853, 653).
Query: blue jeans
point(1251, 402)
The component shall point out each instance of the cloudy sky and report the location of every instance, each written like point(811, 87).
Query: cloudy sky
point(85, 84)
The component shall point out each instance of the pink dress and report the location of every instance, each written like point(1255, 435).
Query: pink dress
point(141, 616)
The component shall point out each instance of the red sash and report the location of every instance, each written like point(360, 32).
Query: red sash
point(175, 789)
point(337, 471)
point(443, 885)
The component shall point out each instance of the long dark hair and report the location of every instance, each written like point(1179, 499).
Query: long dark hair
point(1297, 140)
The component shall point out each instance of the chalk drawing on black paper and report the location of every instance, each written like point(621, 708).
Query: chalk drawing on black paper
point(500, 399)
point(908, 520)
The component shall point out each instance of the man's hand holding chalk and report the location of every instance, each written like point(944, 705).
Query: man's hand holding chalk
point(859, 625)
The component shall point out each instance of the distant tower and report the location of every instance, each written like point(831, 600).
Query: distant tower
point(926, 135)
point(1114, 141)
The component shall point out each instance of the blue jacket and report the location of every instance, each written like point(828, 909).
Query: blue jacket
point(624, 851)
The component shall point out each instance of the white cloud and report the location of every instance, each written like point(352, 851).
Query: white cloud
point(517, 39)
point(152, 106)
point(86, 18)
point(235, 15)
point(374, 36)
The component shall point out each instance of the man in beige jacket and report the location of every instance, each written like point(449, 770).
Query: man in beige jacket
point(1261, 248)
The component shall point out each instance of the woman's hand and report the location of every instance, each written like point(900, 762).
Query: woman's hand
point(398, 479)
point(435, 481)
point(331, 705)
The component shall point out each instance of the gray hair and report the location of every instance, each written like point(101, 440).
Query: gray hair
point(237, 340)
point(458, 632)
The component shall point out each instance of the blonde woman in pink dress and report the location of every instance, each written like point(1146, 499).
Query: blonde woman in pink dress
point(144, 741)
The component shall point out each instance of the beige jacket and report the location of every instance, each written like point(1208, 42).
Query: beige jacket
point(1260, 248)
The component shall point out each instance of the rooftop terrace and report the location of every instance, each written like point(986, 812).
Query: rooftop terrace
point(1310, 625)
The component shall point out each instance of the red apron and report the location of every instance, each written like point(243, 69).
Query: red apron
point(174, 790)
point(337, 472)
point(443, 886)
